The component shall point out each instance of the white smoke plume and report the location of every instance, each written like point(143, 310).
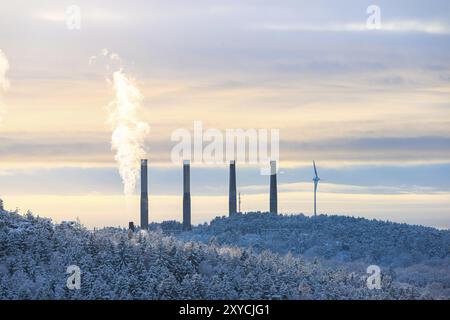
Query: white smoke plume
point(128, 131)
point(4, 83)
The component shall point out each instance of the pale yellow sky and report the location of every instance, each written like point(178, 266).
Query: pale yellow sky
point(94, 210)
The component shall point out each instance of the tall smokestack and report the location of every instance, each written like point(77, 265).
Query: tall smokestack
point(186, 196)
point(232, 193)
point(273, 187)
point(144, 195)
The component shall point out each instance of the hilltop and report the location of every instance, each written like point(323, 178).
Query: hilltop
point(339, 238)
point(409, 254)
point(35, 253)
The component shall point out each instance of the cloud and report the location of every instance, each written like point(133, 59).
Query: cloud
point(416, 26)
point(4, 67)
point(5, 173)
point(87, 13)
point(416, 144)
point(398, 26)
point(346, 189)
point(206, 182)
point(4, 83)
point(58, 148)
point(53, 149)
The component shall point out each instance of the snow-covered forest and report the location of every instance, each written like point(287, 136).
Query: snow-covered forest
point(338, 238)
point(251, 256)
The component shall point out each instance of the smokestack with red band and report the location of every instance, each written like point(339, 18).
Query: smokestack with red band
point(144, 195)
point(232, 192)
point(273, 187)
point(186, 196)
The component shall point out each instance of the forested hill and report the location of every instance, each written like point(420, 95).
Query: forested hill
point(339, 238)
point(410, 254)
point(35, 253)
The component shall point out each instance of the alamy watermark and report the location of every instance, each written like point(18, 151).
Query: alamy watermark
point(213, 146)
point(74, 280)
point(374, 278)
point(374, 20)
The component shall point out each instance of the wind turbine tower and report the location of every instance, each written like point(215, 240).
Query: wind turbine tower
point(316, 180)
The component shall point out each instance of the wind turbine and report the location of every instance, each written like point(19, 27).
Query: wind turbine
point(316, 180)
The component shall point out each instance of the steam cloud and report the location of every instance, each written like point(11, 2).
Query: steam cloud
point(4, 83)
point(129, 132)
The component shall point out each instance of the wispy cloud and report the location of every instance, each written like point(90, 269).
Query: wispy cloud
point(5, 173)
point(4, 83)
point(89, 14)
point(56, 148)
point(429, 27)
point(208, 181)
point(4, 66)
point(346, 189)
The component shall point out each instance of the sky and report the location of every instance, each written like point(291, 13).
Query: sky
point(371, 107)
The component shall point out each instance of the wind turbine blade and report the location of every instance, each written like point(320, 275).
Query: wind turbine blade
point(315, 170)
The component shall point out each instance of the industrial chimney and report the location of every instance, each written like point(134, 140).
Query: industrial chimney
point(186, 196)
point(144, 195)
point(273, 187)
point(232, 193)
